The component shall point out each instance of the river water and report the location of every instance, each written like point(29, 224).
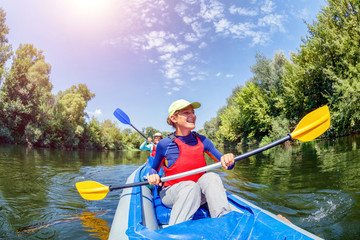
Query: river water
point(315, 185)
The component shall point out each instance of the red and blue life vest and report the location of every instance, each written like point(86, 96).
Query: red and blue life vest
point(152, 154)
point(190, 157)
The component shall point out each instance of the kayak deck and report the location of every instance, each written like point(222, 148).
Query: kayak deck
point(135, 218)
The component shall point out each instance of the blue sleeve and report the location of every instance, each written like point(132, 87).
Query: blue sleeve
point(146, 147)
point(211, 150)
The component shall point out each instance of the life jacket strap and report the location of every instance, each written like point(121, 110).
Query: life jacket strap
point(173, 137)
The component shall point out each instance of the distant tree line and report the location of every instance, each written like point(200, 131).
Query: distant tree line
point(324, 71)
point(30, 114)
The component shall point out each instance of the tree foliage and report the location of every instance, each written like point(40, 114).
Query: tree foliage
point(23, 92)
point(324, 71)
point(250, 110)
point(5, 48)
point(30, 114)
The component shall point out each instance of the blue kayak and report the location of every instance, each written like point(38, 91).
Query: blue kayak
point(141, 215)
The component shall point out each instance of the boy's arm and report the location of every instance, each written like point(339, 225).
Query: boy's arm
point(212, 151)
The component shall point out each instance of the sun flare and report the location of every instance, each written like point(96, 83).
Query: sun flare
point(89, 4)
point(92, 7)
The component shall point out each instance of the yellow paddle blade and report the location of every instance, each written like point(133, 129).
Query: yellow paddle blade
point(91, 190)
point(312, 125)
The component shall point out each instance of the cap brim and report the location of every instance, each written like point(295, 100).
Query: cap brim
point(181, 104)
point(195, 105)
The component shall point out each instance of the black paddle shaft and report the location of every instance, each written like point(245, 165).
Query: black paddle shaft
point(135, 184)
point(263, 148)
point(138, 131)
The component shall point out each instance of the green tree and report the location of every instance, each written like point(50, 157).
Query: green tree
point(69, 116)
point(150, 131)
point(5, 48)
point(268, 74)
point(94, 134)
point(252, 109)
point(5, 54)
point(111, 137)
point(25, 93)
point(74, 101)
point(211, 127)
point(326, 68)
point(249, 118)
point(229, 121)
point(131, 139)
point(342, 19)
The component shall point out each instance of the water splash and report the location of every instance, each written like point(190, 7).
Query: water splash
point(327, 208)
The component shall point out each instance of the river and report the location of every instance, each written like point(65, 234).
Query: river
point(315, 185)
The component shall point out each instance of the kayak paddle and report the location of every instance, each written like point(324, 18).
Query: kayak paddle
point(122, 117)
point(310, 127)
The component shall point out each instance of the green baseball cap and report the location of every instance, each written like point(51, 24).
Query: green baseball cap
point(180, 104)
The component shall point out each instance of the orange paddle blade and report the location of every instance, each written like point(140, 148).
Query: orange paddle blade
point(312, 125)
point(91, 190)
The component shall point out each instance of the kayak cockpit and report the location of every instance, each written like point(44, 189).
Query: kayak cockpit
point(136, 217)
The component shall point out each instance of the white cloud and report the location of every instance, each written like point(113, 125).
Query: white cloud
point(242, 11)
point(199, 76)
point(165, 57)
point(171, 73)
point(229, 75)
point(259, 38)
point(172, 38)
point(181, 8)
point(242, 30)
point(191, 37)
point(211, 10)
point(95, 114)
point(268, 6)
point(179, 82)
point(202, 45)
point(222, 25)
point(149, 22)
point(274, 21)
point(154, 39)
point(188, 56)
point(199, 29)
point(153, 61)
point(188, 20)
point(191, 68)
point(190, 1)
point(169, 47)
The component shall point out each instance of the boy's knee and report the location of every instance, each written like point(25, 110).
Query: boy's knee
point(212, 177)
point(191, 188)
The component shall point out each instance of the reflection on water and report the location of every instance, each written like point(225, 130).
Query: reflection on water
point(99, 227)
point(315, 185)
point(37, 190)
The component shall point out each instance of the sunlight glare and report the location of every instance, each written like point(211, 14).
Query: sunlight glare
point(88, 4)
point(92, 7)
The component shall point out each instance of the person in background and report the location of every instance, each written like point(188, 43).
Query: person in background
point(148, 145)
point(182, 151)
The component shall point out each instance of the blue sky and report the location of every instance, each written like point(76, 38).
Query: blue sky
point(141, 55)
